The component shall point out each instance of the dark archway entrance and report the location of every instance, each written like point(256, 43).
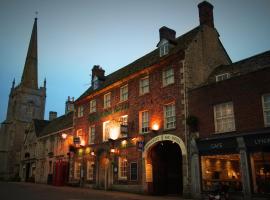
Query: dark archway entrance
point(166, 159)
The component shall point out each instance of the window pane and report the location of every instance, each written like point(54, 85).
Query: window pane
point(224, 117)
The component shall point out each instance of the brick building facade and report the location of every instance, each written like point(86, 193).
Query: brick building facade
point(130, 125)
point(233, 134)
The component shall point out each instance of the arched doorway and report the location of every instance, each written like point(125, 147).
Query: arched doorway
point(166, 160)
point(165, 165)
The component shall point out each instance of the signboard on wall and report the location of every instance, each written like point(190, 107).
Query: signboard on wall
point(149, 173)
point(76, 140)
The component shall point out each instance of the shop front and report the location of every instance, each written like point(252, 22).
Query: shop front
point(258, 146)
point(220, 164)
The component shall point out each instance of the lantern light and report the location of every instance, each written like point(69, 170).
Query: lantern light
point(155, 127)
point(64, 135)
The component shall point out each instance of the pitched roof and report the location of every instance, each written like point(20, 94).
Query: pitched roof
point(147, 60)
point(45, 127)
point(251, 64)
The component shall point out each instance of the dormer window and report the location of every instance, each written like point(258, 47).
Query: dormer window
point(222, 77)
point(95, 82)
point(164, 48)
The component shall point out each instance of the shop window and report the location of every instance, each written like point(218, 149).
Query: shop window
point(90, 170)
point(169, 116)
point(107, 100)
point(93, 106)
point(80, 111)
point(168, 77)
point(144, 85)
point(266, 109)
point(122, 168)
point(134, 171)
point(221, 170)
point(91, 136)
point(77, 170)
point(144, 121)
point(124, 93)
point(260, 167)
point(224, 117)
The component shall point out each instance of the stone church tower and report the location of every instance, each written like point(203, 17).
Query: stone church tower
point(26, 102)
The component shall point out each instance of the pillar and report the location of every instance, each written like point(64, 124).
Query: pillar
point(244, 168)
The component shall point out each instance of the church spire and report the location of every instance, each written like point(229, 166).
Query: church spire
point(30, 71)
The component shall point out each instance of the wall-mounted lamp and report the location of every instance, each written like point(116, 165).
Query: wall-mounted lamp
point(155, 127)
point(82, 142)
point(64, 136)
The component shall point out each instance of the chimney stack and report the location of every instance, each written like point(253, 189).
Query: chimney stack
point(52, 115)
point(206, 14)
point(98, 76)
point(166, 33)
point(69, 105)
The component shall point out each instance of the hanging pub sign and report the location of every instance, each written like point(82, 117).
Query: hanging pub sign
point(76, 140)
point(140, 145)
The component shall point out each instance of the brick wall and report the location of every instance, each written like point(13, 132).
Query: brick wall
point(244, 91)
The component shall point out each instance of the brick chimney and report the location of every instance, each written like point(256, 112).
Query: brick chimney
point(166, 33)
point(98, 76)
point(206, 14)
point(52, 115)
point(69, 105)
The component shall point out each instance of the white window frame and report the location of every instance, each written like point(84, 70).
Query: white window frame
point(106, 131)
point(93, 106)
point(122, 170)
point(144, 122)
point(224, 118)
point(164, 48)
point(77, 170)
point(107, 100)
point(90, 170)
point(124, 93)
point(144, 85)
point(91, 134)
point(168, 77)
point(221, 77)
point(169, 116)
point(80, 111)
point(266, 109)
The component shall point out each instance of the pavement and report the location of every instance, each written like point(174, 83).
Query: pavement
point(32, 191)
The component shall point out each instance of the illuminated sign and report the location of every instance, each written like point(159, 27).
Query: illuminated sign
point(76, 140)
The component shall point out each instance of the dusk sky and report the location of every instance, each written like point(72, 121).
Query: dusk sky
point(74, 35)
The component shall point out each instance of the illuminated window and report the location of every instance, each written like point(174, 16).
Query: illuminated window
point(107, 100)
point(169, 116)
point(260, 168)
point(222, 77)
point(220, 169)
point(124, 125)
point(106, 130)
point(90, 170)
point(124, 93)
point(168, 77)
point(144, 85)
point(266, 109)
point(93, 106)
point(224, 117)
point(144, 121)
point(79, 133)
point(77, 170)
point(122, 168)
point(80, 111)
point(91, 135)
point(164, 48)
